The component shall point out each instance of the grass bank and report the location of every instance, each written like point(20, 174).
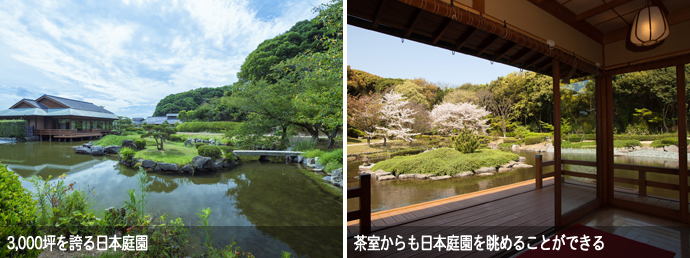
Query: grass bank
point(326, 187)
point(445, 161)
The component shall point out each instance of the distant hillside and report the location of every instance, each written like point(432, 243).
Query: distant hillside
point(188, 100)
point(359, 82)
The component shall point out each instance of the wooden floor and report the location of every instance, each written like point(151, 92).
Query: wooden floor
point(516, 209)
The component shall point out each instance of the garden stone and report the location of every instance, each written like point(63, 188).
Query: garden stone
point(129, 143)
point(148, 164)
point(318, 166)
point(464, 174)
point(501, 170)
point(523, 166)
point(166, 166)
point(434, 178)
point(309, 161)
point(157, 169)
point(671, 148)
point(383, 178)
point(83, 150)
point(187, 168)
point(112, 149)
point(288, 149)
point(407, 176)
point(88, 145)
point(380, 173)
point(202, 164)
point(300, 158)
point(97, 151)
point(423, 176)
point(522, 159)
point(218, 165)
point(229, 163)
point(327, 179)
point(484, 170)
point(188, 142)
point(133, 163)
point(515, 147)
point(75, 147)
point(337, 176)
point(485, 174)
point(637, 148)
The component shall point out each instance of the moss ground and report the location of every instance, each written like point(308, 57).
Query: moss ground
point(445, 161)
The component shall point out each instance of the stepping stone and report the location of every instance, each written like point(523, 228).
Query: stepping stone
point(464, 174)
point(523, 166)
point(485, 174)
point(383, 178)
point(407, 176)
point(501, 170)
point(484, 170)
point(423, 176)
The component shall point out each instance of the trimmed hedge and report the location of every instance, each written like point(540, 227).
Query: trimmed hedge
point(214, 127)
point(650, 137)
point(510, 140)
point(210, 151)
point(13, 128)
point(406, 152)
point(18, 213)
point(534, 139)
point(176, 138)
point(446, 161)
point(140, 143)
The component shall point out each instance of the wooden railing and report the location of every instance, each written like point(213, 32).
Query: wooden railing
point(364, 212)
point(641, 180)
point(69, 132)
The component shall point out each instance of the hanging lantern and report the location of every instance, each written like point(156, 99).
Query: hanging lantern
point(649, 26)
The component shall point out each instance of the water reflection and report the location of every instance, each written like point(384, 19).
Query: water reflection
point(266, 208)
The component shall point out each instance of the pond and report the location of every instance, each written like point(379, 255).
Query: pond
point(266, 208)
point(386, 195)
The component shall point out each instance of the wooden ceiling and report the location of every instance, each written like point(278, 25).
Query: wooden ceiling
point(608, 21)
point(457, 29)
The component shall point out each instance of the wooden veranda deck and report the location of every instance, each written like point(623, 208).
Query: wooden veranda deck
point(516, 209)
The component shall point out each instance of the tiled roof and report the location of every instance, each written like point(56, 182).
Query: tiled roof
point(156, 120)
point(35, 104)
point(76, 104)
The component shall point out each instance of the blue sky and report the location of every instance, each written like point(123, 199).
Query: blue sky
point(127, 55)
point(388, 56)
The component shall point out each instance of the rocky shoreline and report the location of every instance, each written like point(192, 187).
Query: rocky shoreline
point(382, 175)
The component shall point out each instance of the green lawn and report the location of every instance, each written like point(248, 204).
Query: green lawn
point(173, 152)
point(445, 161)
point(578, 145)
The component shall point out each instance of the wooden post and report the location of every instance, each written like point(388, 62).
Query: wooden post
point(365, 204)
point(537, 171)
point(642, 182)
point(682, 144)
point(608, 125)
point(601, 138)
point(557, 141)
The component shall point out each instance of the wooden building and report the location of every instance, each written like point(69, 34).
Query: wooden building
point(564, 39)
point(51, 117)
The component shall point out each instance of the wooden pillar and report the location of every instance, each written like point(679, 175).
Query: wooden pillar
point(601, 120)
point(537, 172)
point(365, 204)
point(682, 144)
point(608, 146)
point(557, 141)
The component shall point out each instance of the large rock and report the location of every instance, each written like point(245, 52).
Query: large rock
point(383, 178)
point(423, 176)
point(97, 151)
point(300, 158)
point(521, 159)
point(148, 164)
point(485, 170)
point(218, 165)
point(112, 149)
point(229, 164)
point(166, 166)
point(202, 164)
point(337, 176)
point(522, 165)
point(671, 148)
point(187, 168)
point(380, 173)
point(464, 174)
point(434, 178)
point(407, 176)
point(515, 147)
point(83, 150)
point(129, 143)
point(87, 145)
point(501, 170)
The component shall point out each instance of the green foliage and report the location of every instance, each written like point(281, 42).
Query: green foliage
point(230, 156)
point(226, 149)
point(626, 143)
point(312, 153)
point(412, 92)
point(510, 140)
point(466, 141)
point(18, 213)
point(110, 140)
point(534, 139)
point(126, 153)
point(159, 133)
point(665, 142)
point(521, 131)
point(199, 144)
point(189, 100)
point(354, 133)
point(574, 138)
point(13, 128)
point(213, 127)
point(446, 161)
point(210, 151)
point(140, 143)
point(176, 138)
point(546, 126)
point(301, 144)
point(650, 137)
point(405, 152)
point(334, 156)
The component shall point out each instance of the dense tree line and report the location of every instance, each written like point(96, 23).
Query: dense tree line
point(644, 102)
point(188, 100)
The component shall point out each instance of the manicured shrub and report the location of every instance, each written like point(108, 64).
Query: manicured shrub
point(649, 137)
point(230, 156)
point(210, 151)
point(670, 141)
point(127, 153)
point(18, 213)
point(466, 142)
point(354, 133)
point(445, 161)
point(199, 144)
point(13, 128)
point(405, 152)
point(176, 138)
point(591, 137)
point(226, 149)
point(510, 140)
point(126, 133)
point(110, 140)
point(626, 143)
point(141, 143)
point(215, 127)
point(534, 139)
point(575, 138)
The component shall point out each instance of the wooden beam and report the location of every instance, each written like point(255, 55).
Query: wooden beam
point(600, 9)
point(682, 143)
point(557, 143)
point(486, 43)
point(465, 36)
point(379, 13)
point(418, 13)
point(544, 65)
point(522, 52)
point(445, 26)
point(536, 59)
point(571, 73)
point(565, 15)
point(478, 5)
point(504, 50)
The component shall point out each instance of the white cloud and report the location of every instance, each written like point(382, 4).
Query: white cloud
point(135, 54)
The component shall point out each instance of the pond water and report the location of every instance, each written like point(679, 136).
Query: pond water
point(266, 208)
point(392, 194)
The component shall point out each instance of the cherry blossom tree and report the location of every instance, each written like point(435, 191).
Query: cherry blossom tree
point(364, 113)
point(461, 116)
point(396, 117)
